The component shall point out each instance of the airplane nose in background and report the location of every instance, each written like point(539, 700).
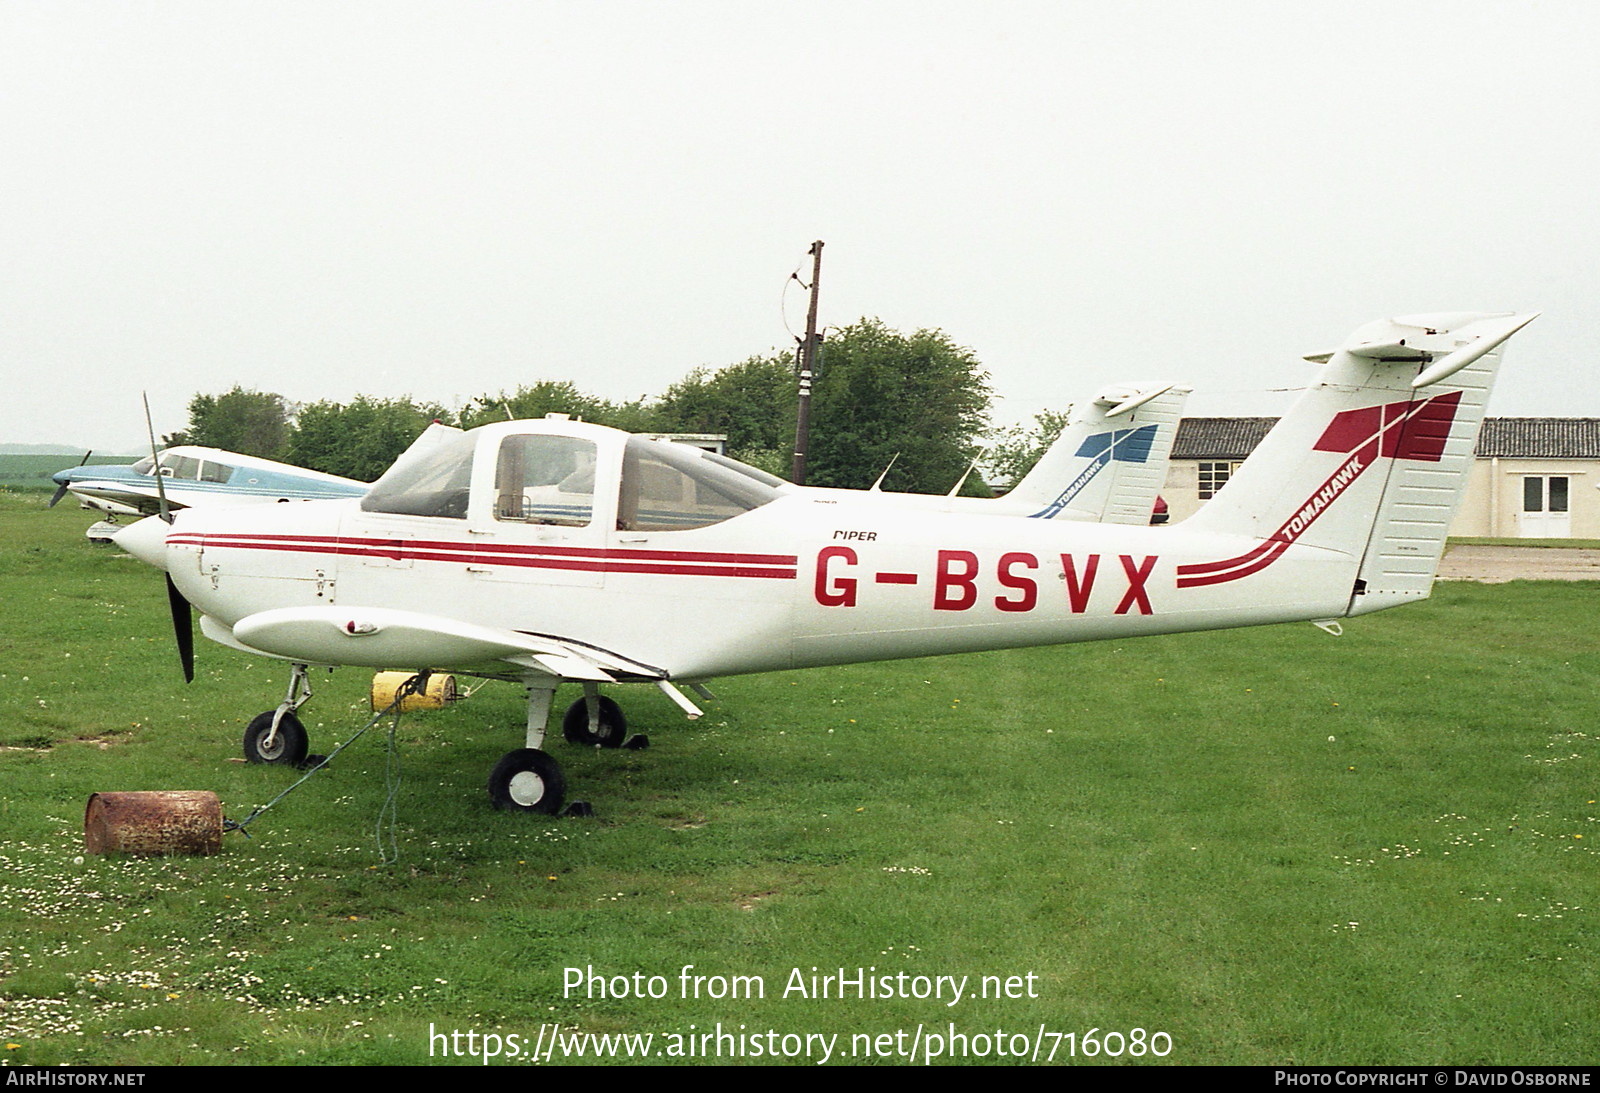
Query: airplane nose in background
point(145, 540)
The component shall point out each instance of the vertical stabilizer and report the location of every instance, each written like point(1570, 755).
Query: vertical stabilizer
point(1371, 460)
point(1110, 461)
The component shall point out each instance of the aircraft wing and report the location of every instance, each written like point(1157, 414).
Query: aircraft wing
point(123, 498)
point(393, 639)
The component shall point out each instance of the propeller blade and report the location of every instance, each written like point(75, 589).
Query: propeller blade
point(182, 628)
point(155, 462)
point(61, 490)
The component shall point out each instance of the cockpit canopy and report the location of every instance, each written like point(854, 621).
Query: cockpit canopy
point(568, 474)
point(175, 464)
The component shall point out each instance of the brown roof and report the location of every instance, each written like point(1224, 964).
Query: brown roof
point(1219, 437)
point(1540, 438)
point(1505, 437)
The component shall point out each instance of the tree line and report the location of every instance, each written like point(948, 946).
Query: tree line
point(917, 404)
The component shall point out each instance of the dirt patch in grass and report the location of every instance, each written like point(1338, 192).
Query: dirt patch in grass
point(1498, 564)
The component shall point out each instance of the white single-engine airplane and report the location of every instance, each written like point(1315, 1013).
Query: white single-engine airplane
point(548, 551)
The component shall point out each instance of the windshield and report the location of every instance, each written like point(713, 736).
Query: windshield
point(428, 481)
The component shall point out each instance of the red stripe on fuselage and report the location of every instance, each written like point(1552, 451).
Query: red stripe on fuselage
point(1273, 551)
point(593, 559)
point(265, 542)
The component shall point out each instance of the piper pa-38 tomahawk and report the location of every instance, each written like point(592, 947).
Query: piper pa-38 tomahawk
point(551, 551)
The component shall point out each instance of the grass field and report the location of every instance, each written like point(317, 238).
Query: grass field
point(1551, 544)
point(1272, 846)
point(32, 472)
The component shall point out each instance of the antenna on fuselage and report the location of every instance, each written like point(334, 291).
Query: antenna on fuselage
point(877, 487)
point(962, 481)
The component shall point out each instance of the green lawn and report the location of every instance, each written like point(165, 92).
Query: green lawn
point(32, 472)
point(1556, 544)
point(1271, 846)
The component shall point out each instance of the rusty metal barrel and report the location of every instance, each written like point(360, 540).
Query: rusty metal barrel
point(176, 821)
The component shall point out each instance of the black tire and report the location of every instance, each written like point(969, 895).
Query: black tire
point(528, 780)
point(613, 726)
point(290, 747)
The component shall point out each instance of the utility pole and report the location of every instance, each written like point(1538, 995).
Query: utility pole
point(808, 360)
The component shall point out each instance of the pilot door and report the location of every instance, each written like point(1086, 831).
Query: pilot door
point(547, 521)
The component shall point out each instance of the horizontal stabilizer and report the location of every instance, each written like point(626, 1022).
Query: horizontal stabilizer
point(1432, 343)
point(1454, 362)
point(1392, 350)
point(1118, 402)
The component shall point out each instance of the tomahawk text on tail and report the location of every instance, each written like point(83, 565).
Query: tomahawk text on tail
point(1110, 462)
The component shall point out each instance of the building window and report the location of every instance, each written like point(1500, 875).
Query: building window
point(1213, 476)
point(1541, 494)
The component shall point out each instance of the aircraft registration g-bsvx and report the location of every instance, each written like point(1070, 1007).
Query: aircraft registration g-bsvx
point(551, 551)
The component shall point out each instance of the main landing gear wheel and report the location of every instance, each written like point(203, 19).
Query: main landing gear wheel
point(289, 748)
point(528, 780)
point(610, 733)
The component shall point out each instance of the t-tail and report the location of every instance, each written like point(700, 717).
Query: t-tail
point(1110, 461)
point(1371, 460)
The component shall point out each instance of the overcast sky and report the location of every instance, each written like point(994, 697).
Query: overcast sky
point(439, 199)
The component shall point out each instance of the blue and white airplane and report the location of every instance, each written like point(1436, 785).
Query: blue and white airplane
point(193, 476)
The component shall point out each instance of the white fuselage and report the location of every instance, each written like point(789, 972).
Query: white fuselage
point(799, 582)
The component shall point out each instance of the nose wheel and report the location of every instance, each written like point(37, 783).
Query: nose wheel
point(528, 780)
point(277, 736)
point(286, 745)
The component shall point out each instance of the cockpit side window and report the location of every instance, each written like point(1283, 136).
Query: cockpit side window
point(431, 482)
point(747, 470)
point(186, 467)
point(541, 479)
point(670, 487)
point(215, 472)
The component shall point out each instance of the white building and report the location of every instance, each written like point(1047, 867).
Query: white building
point(1535, 477)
